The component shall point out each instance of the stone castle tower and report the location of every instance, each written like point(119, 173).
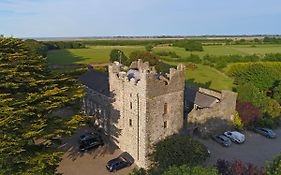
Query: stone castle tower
point(146, 107)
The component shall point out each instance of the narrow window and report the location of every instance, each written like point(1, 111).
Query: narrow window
point(131, 105)
point(165, 108)
point(130, 122)
point(130, 94)
point(165, 124)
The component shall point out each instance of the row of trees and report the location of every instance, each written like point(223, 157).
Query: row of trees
point(29, 95)
point(189, 45)
point(258, 87)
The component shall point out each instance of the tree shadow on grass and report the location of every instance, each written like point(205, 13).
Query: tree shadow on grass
point(64, 56)
point(192, 82)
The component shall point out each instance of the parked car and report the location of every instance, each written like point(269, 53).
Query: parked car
point(265, 132)
point(223, 140)
point(89, 135)
point(235, 136)
point(122, 161)
point(90, 143)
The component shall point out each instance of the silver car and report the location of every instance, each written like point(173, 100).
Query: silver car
point(235, 136)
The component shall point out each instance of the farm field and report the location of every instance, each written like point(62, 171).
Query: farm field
point(224, 50)
point(100, 54)
point(203, 76)
point(90, 55)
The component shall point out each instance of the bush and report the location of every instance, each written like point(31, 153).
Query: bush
point(274, 167)
point(148, 48)
point(179, 150)
point(238, 168)
point(247, 112)
point(185, 170)
point(189, 45)
point(193, 59)
point(238, 121)
point(146, 56)
point(118, 55)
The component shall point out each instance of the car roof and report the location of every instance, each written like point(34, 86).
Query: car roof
point(127, 157)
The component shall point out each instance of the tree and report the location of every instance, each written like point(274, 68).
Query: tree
point(118, 55)
point(236, 167)
point(179, 150)
point(189, 45)
point(29, 93)
point(274, 167)
point(149, 48)
point(247, 112)
point(146, 56)
point(185, 170)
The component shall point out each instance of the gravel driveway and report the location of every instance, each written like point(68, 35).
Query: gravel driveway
point(257, 149)
point(88, 163)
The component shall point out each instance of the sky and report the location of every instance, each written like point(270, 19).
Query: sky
point(81, 18)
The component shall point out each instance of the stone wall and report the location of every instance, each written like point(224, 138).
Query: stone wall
point(98, 105)
point(140, 104)
point(223, 110)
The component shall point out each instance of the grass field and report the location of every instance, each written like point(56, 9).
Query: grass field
point(207, 77)
point(224, 50)
point(203, 76)
point(91, 55)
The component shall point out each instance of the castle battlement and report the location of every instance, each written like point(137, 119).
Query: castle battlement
point(141, 71)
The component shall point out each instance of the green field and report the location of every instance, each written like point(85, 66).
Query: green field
point(203, 76)
point(90, 55)
point(224, 50)
point(100, 54)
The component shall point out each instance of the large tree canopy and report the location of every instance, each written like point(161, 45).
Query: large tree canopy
point(29, 94)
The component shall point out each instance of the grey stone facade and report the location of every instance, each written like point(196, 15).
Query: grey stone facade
point(137, 107)
point(141, 108)
point(150, 106)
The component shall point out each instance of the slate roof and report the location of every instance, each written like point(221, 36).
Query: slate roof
point(204, 101)
point(200, 99)
point(96, 80)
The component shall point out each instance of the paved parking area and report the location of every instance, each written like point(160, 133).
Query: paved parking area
point(257, 149)
point(88, 163)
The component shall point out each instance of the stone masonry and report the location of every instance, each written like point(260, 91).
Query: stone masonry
point(136, 107)
point(149, 105)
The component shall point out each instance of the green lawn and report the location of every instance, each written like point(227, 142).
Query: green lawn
point(91, 55)
point(224, 50)
point(205, 76)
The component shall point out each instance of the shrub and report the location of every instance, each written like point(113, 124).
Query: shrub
point(247, 112)
point(238, 168)
point(118, 55)
point(274, 167)
point(185, 170)
point(193, 58)
point(238, 121)
point(179, 150)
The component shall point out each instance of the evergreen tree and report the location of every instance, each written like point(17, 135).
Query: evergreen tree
point(29, 94)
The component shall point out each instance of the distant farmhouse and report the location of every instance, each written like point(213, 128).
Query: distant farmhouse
point(137, 107)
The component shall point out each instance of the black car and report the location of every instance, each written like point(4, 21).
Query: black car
point(265, 132)
point(122, 161)
point(223, 140)
point(90, 143)
point(89, 135)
